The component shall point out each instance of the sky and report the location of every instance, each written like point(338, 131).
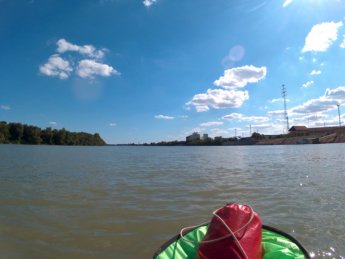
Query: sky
point(158, 70)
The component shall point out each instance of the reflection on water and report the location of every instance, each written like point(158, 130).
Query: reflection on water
point(121, 202)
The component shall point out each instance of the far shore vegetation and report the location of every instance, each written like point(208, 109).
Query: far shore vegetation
point(18, 133)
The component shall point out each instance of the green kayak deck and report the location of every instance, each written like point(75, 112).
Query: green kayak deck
point(275, 244)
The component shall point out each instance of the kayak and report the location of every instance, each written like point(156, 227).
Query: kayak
point(275, 244)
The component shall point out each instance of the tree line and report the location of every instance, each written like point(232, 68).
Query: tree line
point(17, 133)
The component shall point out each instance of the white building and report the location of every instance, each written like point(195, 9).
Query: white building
point(193, 137)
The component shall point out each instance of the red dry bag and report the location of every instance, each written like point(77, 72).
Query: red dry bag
point(234, 233)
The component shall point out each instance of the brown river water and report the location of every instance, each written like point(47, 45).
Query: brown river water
point(124, 202)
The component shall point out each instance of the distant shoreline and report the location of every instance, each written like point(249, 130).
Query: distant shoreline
point(23, 134)
point(326, 136)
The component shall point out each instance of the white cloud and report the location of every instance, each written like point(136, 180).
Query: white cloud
point(88, 68)
point(211, 123)
point(56, 66)
point(230, 97)
point(240, 76)
point(112, 124)
point(5, 107)
point(342, 45)
point(325, 103)
point(218, 99)
point(287, 2)
point(163, 117)
point(277, 112)
point(241, 117)
point(85, 68)
point(322, 36)
point(315, 72)
point(261, 126)
point(337, 94)
point(52, 123)
point(327, 123)
point(315, 105)
point(218, 132)
point(88, 50)
point(148, 3)
point(308, 84)
point(310, 118)
point(275, 100)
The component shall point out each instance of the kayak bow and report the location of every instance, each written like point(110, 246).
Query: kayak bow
point(275, 244)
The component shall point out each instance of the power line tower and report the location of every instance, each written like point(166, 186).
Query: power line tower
point(285, 108)
point(339, 114)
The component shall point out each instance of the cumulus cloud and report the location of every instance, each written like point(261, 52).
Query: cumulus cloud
point(89, 68)
point(148, 3)
point(315, 105)
point(240, 76)
point(211, 123)
point(218, 99)
point(315, 72)
point(310, 118)
point(56, 66)
point(5, 107)
point(322, 36)
point(88, 50)
point(53, 123)
point(324, 103)
point(308, 84)
point(287, 2)
point(327, 123)
point(230, 96)
point(241, 117)
point(164, 117)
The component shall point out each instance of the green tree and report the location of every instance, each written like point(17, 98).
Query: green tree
point(16, 132)
point(31, 135)
point(47, 136)
point(27, 134)
point(4, 132)
point(59, 137)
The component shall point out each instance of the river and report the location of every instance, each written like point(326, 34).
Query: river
point(124, 202)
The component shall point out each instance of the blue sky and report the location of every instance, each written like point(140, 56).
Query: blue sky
point(141, 71)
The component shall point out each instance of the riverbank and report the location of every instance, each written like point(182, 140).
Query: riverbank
point(337, 136)
point(331, 135)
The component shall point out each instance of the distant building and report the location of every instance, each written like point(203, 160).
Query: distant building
point(195, 136)
point(205, 137)
point(218, 138)
point(297, 130)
